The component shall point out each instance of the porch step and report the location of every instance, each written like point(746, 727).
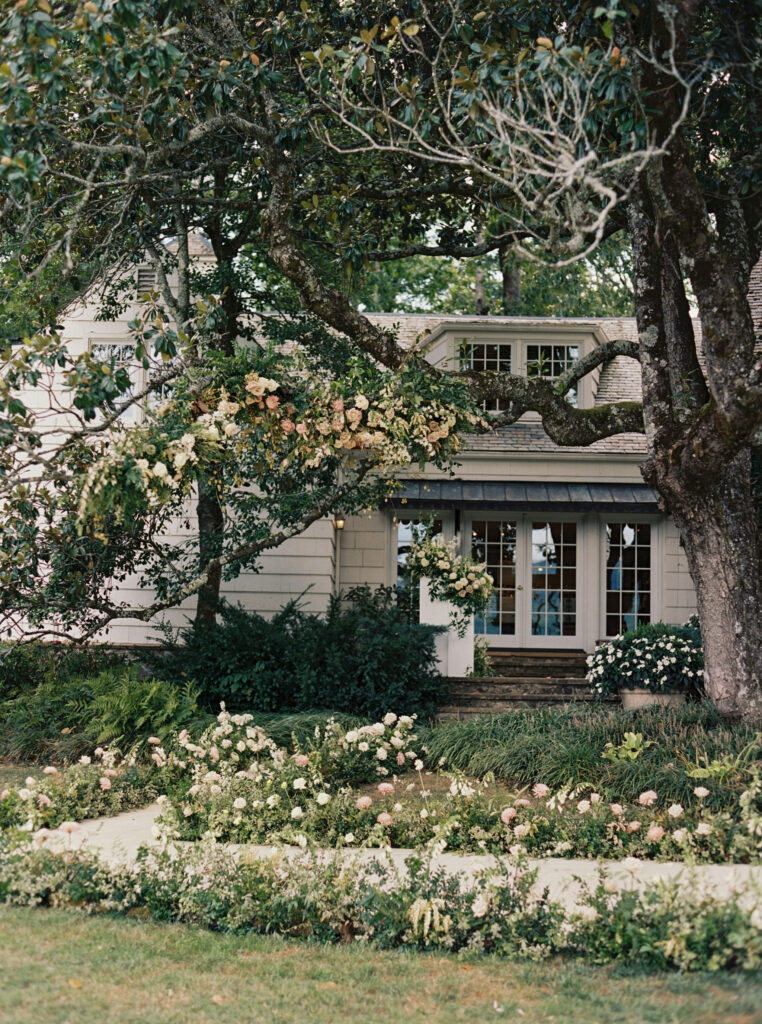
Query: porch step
point(497, 687)
point(540, 664)
point(490, 695)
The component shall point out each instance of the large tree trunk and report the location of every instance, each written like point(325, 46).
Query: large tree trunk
point(718, 525)
point(210, 531)
point(511, 280)
point(699, 468)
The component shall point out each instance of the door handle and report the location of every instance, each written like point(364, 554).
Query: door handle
point(519, 587)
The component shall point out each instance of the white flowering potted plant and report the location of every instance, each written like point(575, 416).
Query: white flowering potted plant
point(456, 579)
point(654, 664)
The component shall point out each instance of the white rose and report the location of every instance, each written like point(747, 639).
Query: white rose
point(300, 784)
point(160, 471)
point(479, 907)
point(389, 718)
point(239, 803)
point(363, 747)
point(322, 799)
point(381, 754)
point(351, 736)
point(297, 813)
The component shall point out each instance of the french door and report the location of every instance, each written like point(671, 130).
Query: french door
point(535, 563)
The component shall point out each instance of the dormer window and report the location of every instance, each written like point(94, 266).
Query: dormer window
point(550, 362)
point(487, 355)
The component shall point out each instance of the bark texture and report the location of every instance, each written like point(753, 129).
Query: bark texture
point(211, 524)
point(718, 525)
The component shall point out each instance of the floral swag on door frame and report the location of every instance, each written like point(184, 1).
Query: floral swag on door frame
point(459, 580)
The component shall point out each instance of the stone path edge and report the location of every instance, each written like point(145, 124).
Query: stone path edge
point(118, 839)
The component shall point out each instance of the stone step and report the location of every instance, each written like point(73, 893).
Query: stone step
point(494, 700)
point(510, 664)
point(504, 687)
point(493, 707)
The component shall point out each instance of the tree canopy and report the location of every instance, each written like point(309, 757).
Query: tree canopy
point(315, 145)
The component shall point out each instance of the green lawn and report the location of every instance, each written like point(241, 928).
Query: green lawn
point(58, 966)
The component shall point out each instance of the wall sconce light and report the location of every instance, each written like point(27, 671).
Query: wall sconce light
point(339, 521)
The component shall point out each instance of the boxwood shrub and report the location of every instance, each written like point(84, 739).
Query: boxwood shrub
point(365, 656)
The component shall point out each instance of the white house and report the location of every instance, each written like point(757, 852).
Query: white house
point(575, 541)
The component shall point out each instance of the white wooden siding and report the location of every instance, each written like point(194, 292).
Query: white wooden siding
point(679, 596)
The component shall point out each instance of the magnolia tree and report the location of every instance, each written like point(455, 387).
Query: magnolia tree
point(91, 499)
point(311, 144)
point(626, 113)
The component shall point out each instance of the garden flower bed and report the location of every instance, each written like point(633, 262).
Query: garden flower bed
point(369, 787)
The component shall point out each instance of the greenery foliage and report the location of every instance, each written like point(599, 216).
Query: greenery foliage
point(362, 657)
point(235, 785)
point(24, 667)
point(64, 718)
point(95, 787)
point(563, 746)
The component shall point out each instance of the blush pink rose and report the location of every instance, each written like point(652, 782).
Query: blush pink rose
point(301, 760)
point(272, 402)
point(400, 758)
point(363, 803)
point(540, 790)
point(655, 833)
point(647, 798)
point(301, 428)
point(633, 826)
point(385, 788)
point(507, 815)
point(384, 818)
point(104, 782)
point(287, 426)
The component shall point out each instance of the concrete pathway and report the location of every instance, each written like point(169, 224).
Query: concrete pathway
point(118, 839)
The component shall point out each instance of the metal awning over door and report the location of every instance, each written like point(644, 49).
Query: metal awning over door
point(510, 496)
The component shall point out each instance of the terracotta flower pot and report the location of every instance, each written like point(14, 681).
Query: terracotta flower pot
point(634, 699)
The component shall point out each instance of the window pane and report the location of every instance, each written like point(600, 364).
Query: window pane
point(551, 361)
point(500, 556)
point(554, 595)
point(482, 355)
point(628, 576)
